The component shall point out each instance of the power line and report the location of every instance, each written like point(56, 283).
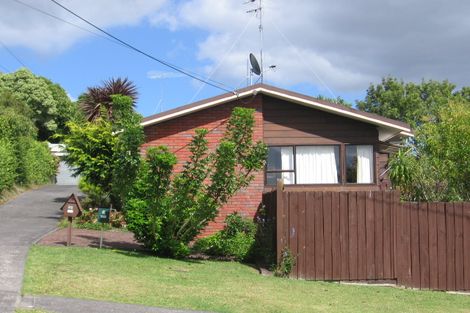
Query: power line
point(86, 29)
point(303, 60)
point(65, 21)
point(219, 63)
point(174, 67)
point(12, 54)
point(3, 67)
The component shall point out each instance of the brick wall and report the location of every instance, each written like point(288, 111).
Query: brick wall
point(177, 133)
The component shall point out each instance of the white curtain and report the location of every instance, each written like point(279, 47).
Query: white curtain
point(365, 164)
point(316, 165)
point(287, 161)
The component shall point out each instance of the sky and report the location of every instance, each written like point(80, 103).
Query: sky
point(333, 48)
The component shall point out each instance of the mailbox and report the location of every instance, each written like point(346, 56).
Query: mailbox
point(72, 207)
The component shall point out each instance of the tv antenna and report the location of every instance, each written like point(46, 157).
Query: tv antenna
point(258, 11)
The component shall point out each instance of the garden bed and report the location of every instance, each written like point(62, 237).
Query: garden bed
point(114, 239)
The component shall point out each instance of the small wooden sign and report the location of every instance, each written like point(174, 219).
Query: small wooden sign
point(71, 208)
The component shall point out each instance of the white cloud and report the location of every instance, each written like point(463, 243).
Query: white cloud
point(346, 44)
point(23, 26)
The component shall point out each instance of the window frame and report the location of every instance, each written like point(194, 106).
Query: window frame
point(294, 151)
point(374, 159)
point(342, 165)
point(266, 171)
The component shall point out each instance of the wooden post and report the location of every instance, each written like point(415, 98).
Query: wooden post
point(280, 239)
point(69, 232)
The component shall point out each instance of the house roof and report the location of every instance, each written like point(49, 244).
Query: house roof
point(389, 129)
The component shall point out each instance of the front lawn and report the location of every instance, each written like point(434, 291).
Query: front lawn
point(207, 285)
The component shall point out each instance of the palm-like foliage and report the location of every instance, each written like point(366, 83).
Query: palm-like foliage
point(97, 101)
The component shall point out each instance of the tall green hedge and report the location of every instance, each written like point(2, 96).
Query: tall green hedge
point(23, 159)
point(35, 163)
point(7, 165)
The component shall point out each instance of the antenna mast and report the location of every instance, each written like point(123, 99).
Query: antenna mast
point(259, 12)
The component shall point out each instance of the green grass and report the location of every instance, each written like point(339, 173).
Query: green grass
point(208, 285)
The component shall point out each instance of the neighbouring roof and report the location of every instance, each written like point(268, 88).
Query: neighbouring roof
point(389, 129)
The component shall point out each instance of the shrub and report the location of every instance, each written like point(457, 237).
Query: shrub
point(106, 152)
point(235, 241)
point(166, 212)
point(286, 264)
point(36, 164)
point(94, 195)
point(7, 165)
point(89, 220)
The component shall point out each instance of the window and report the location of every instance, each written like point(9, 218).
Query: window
point(359, 164)
point(303, 165)
point(321, 164)
point(280, 165)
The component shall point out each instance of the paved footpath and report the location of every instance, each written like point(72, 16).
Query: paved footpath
point(22, 221)
point(67, 305)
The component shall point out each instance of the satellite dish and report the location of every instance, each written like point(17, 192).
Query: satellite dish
point(254, 65)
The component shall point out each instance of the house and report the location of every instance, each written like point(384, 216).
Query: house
point(312, 143)
point(64, 175)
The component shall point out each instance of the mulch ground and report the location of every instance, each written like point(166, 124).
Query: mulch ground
point(120, 240)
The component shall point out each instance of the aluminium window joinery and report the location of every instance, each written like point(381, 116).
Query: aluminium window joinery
point(319, 164)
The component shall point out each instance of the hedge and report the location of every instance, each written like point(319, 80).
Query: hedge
point(7, 165)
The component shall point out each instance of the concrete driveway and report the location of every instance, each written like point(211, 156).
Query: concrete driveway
point(23, 220)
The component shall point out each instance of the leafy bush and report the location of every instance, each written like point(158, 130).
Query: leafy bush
point(106, 152)
point(94, 195)
point(435, 165)
point(166, 212)
point(89, 220)
point(234, 241)
point(7, 165)
point(286, 264)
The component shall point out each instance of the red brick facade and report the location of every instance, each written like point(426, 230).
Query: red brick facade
point(177, 133)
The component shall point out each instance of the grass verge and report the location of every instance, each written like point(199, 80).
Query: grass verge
point(14, 192)
point(209, 285)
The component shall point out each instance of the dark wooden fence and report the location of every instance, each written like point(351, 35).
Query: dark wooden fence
point(370, 235)
point(433, 245)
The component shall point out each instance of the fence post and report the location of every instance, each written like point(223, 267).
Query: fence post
point(280, 231)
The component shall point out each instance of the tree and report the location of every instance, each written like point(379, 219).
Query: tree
point(436, 167)
point(167, 211)
point(15, 118)
point(50, 106)
point(105, 153)
point(98, 101)
point(337, 100)
point(408, 102)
